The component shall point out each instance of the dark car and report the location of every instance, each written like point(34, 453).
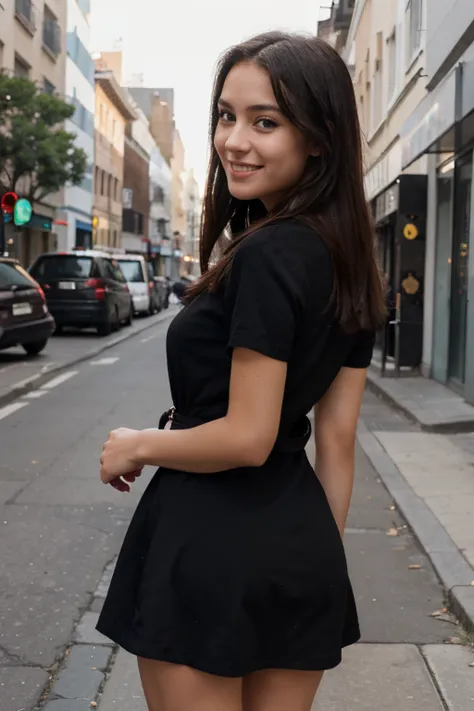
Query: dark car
point(24, 317)
point(84, 289)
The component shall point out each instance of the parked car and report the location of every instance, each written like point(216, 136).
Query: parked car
point(85, 289)
point(144, 291)
point(24, 317)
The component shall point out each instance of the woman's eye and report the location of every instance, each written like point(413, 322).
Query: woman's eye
point(225, 116)
point(266, 123)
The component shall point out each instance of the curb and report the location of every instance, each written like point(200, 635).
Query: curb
point(453, 570)
point(440, 427)
point(85, 666)
point(37, 381)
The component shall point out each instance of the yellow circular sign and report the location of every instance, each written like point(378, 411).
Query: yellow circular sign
point(410, 231)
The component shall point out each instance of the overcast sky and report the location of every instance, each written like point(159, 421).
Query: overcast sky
point(176, 43)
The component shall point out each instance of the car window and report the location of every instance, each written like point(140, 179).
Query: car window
point(63, 267)
point(132, 270)
point(117, 271)
point(13, 275)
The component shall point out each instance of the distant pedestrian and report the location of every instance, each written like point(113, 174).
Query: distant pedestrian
point(232, 586)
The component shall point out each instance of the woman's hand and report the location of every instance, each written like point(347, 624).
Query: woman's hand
point(118, 466)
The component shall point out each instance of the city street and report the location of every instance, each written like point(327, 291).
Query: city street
point(61, 529)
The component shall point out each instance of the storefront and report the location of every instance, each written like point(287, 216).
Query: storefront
point(400, 217)
point(443, 125)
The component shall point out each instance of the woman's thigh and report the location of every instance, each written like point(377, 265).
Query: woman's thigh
point(173, 687)
point(280, 690)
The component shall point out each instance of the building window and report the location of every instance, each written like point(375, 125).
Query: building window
point(96, 179)
point(413, 27)
point(21, 68)
point(116, 183)
point(25, 13)
point(109, 186)
point(377, 85)
point(48, 87)
point(51, 33)
point(392, 64)
point(102, 182)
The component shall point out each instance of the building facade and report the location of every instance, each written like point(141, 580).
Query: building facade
point(441, 129)
point(192, 207)
point(160, 213)
point(139, 145)
point(113, 111)
point(385, 50)
point(75, 214)
point(33, 45)
point(158, 106)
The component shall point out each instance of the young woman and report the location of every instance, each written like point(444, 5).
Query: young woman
point(232, 586)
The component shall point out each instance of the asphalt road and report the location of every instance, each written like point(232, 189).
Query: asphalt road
point(60, 527)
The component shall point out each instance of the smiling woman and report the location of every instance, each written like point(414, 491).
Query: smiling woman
point(232, 585)
point(262, 152)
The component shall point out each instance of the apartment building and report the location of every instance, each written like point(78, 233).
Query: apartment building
point(139, 145)
point(192, 206)
point(113, 111)
point(160, 213)
point(75, 214)
point(33, 45)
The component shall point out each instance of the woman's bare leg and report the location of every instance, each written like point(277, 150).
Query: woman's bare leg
point(173, 687)
point(280, 690)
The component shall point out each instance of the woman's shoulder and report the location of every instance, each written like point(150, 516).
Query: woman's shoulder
point(292, 240)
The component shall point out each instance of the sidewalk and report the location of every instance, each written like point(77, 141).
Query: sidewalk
point(426, 403)
point(431, 478)
point(403, 661)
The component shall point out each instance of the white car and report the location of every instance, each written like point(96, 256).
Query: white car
point(142, 288)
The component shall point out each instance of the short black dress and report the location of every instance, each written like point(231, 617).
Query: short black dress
point(245, 570)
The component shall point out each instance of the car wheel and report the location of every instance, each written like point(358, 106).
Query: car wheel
point(58, 330)
point(105, 329)
point(129, 319)
point(116, 321)
point(35, 347)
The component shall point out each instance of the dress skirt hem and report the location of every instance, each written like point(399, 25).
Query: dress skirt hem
point(148, 649)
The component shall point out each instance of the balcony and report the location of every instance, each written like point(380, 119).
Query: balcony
point(25, 14)
point(51, 38)
point(343, 15)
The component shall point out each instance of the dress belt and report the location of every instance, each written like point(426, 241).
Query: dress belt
point(285, 443)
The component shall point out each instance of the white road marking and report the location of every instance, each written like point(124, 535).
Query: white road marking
point(59, 380)
point(104, 361)
point(21, 383)
point(35, 394)
point(10, 409)
point(150, 338)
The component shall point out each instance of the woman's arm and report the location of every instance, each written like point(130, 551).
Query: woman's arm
point(335, 417)
point(244, 437)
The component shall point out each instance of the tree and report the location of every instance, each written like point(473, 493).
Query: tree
point(33, 143)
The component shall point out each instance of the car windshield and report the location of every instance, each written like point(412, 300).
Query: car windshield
point(13, 275)
point(132, 270)
point(62, 267)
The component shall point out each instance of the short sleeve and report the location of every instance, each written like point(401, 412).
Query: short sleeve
point(361, 353)
point(268, 291)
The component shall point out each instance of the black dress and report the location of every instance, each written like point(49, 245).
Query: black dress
point(244, 570)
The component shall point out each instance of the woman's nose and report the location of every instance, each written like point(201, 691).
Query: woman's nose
point(238, 140)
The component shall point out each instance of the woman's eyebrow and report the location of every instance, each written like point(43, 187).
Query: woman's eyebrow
point(253, 107)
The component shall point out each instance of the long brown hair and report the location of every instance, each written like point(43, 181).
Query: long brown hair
point(314, 91)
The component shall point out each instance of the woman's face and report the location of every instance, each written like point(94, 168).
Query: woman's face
point(262, 153)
